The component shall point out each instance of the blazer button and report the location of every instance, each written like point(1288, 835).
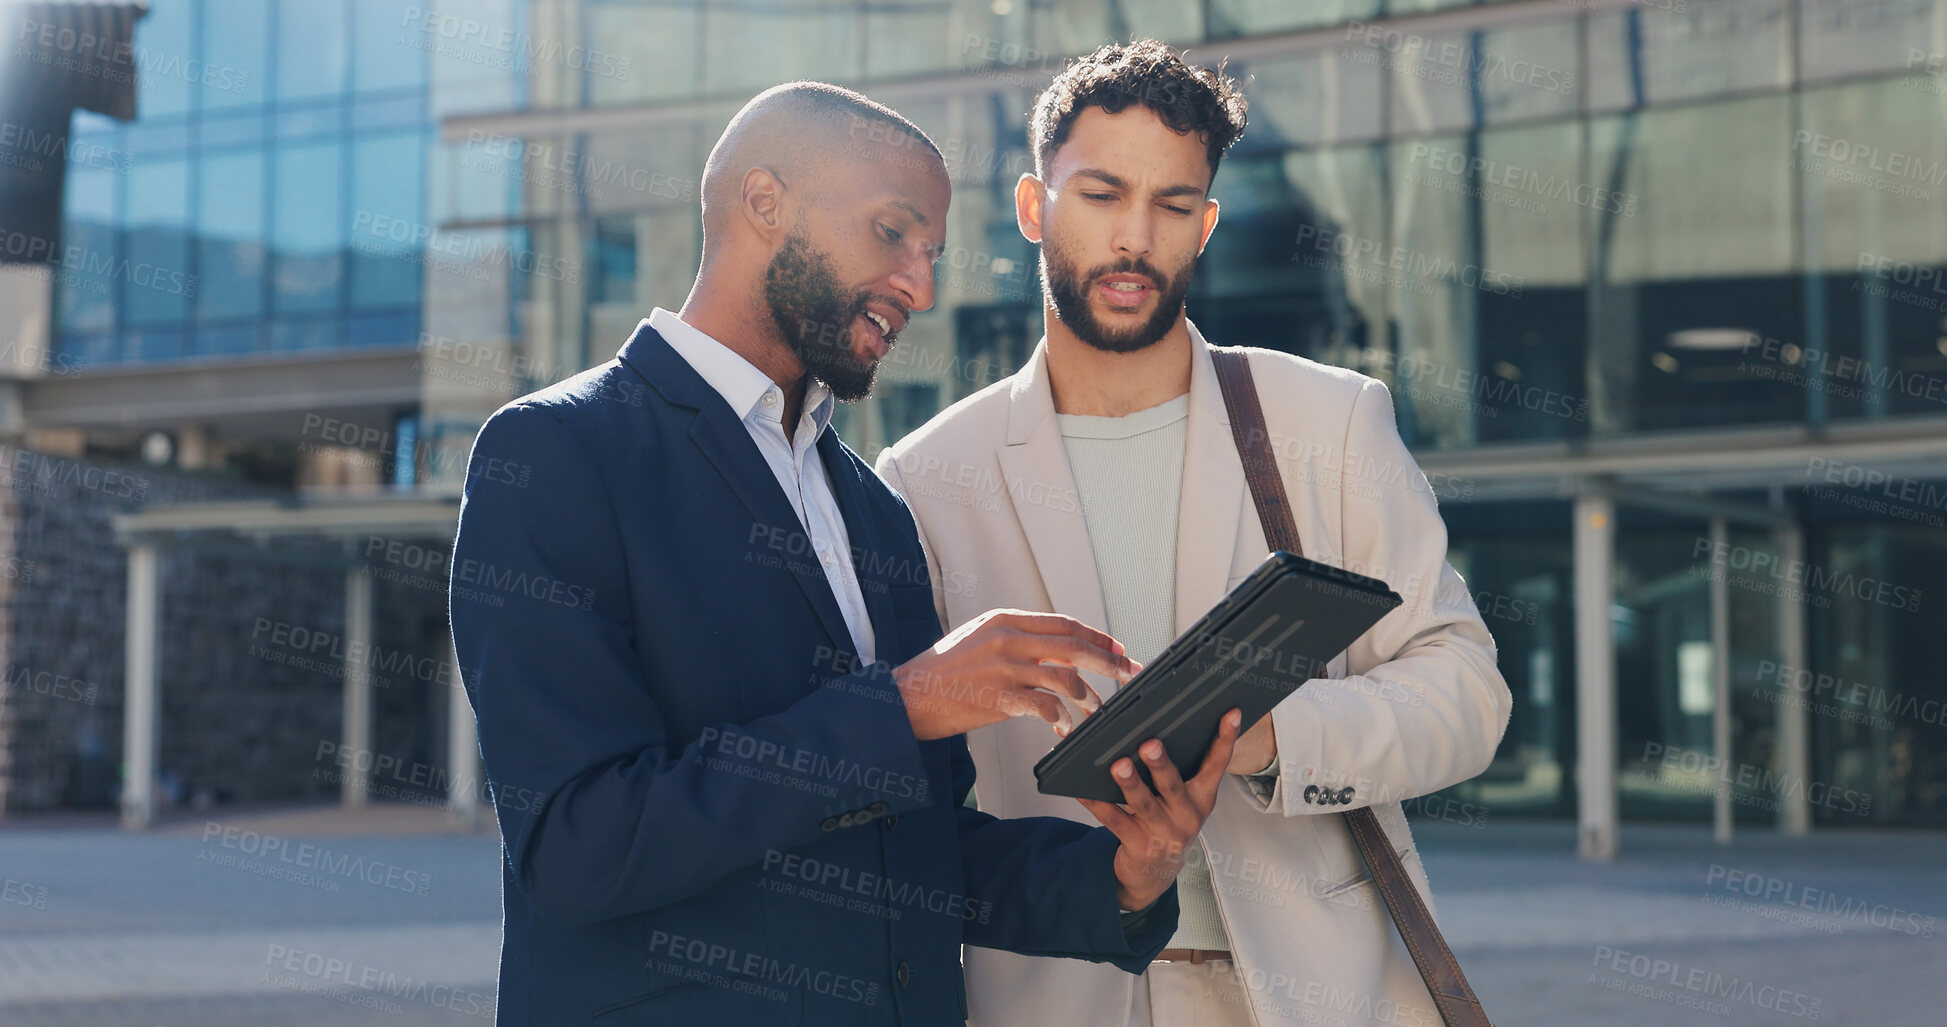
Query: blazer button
point(892, 821)
point(904, 974)
point(878, 809)
point(1311, 794)
point(828, 824)
point(1345, 795)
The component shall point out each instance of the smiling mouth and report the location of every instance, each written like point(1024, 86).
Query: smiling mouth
point(878, 333)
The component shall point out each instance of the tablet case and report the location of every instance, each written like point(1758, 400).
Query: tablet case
point(1276, 630)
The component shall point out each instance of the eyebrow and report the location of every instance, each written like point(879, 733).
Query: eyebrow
point(910, 209)
point(1115, 181)
point(938, 251)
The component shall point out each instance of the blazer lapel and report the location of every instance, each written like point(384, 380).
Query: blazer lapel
point(1034, 465)
point(727, 444)
point(1213, 494)
point(877, 566)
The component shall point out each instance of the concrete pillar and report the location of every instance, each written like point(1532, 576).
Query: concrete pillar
point(196, 447)
point(1720, 675)
point(466, 783)
point(141, 695)
point(1794, 733)
point(1595, 675)
point(355, 786)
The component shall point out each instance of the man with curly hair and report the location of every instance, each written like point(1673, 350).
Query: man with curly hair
point(1128, 509)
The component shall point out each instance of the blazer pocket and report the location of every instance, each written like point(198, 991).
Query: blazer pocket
point(1343, 871)
point(658, 992)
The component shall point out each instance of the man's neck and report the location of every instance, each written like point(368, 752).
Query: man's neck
point(1086, 380)
point(742, 324)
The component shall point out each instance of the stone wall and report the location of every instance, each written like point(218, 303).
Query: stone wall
point(250, 674)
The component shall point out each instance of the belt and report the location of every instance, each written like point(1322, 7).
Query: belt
point(1191, 955)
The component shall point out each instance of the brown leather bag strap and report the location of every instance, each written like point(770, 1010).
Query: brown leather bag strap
point(1438, 968)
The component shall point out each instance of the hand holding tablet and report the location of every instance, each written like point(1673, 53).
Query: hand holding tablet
point(1276, 630)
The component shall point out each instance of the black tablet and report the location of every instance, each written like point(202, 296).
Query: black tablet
point(1276, 630)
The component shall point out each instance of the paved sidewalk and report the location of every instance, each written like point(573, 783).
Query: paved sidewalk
point(1837, 927)
point(319, 916)
point(305, 917)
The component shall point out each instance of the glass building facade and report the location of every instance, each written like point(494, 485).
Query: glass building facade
point(1661, 246)
point(252, 208)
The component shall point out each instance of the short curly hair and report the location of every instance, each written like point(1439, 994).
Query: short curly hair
point(1145, 71)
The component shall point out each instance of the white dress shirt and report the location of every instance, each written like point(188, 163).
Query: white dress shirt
point(759, 402)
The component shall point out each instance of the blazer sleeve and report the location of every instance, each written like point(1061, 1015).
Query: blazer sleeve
point(603, 810)
point(1424, 705)
point(1051, 884)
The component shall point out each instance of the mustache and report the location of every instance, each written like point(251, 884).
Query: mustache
point(835, 333)
point(1129, 266)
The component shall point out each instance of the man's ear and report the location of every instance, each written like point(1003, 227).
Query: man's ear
point(762, 202)
point(1209, 224)
point(1029, 195)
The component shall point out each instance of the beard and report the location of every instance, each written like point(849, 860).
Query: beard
point(1068, 290)
point(815, 313)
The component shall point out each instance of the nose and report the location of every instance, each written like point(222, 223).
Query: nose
point(1135, 232)
point(913, 283)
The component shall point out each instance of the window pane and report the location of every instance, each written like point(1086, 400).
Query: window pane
point(156, 282)
point(936, 35)
point(310, 49)
point(1881, 746)
point(613, 171)
point(1486, 281)
point(230, 236)
point(1464, 79)
point(908, 406)
point(1487, 278)
point(1840, 38)
point(383, 58)
point(388, 188)
point(1662, 617)
point(164, 47)
point(618, 257)
point(307, 228)
point(1275, 272)
point(1078, 27)
point(1518, 561)
point(479, 178)
point(1686, 292)
point(239, 128)
point(646, 52)
point(540, 269)
point(612, 252)
point(466, 76)
point(236, 36)
point(1644, 56)
point(669, 243)
point(1318, 98)
point(86, 290)
point(1250, 17)
point(1872, 162)
point(758, 44)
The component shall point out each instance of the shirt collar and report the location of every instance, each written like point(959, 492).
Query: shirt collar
point(739, 381)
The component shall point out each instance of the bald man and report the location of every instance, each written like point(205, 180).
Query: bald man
point(722, 731)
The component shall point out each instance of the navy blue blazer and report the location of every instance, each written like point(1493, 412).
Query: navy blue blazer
point(711, 812)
